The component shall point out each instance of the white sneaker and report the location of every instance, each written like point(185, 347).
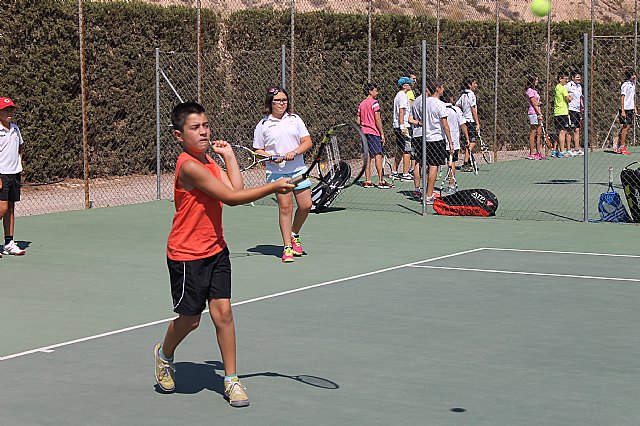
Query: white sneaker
point(13, 249)
point(406, 177)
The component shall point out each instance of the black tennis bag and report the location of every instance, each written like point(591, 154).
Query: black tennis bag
point(467, 202)
point(322, 195)
point(631, 183)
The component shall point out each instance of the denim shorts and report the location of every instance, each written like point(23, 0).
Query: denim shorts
point(272, 177)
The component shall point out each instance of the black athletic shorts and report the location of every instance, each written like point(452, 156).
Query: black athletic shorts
point(471, 129)
point(403, 142)
point(10, 187)
point(628, 119)
point(195, 282)
point(575, 118)
point(437, 153)
point(561, 122)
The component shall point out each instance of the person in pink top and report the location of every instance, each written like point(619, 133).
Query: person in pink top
point(535, 119)
point(368, 118)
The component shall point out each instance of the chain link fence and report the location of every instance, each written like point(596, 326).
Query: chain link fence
point(326, 87)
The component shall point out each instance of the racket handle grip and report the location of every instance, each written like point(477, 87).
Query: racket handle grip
point(297, 179)
point(276, 157)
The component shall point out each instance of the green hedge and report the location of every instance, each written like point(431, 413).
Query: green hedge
point(42, 75)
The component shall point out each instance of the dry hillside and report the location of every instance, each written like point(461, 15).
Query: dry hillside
point(563, 10)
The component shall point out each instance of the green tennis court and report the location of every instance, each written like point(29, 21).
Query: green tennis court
point(390, 319)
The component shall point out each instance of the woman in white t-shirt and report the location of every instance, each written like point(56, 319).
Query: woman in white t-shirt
point(284, 134)
point(535, 118)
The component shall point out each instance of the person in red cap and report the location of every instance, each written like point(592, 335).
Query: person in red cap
point(10, 168)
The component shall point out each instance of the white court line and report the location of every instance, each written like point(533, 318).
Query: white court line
point(48, 349)
point(542, 274)
point(562, 252)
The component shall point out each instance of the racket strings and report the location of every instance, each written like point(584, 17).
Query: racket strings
point(330, 164)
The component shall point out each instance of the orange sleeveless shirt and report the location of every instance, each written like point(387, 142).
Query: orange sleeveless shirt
point(196, 232)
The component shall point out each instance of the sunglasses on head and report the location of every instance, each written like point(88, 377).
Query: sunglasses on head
point(273, 90)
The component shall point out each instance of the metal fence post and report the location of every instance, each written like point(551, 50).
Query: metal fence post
point(199, 50)
point(370, 22)
point(158, 195)
point(585, 94)
point(495, 77)
point(85, 124)
point(424, 145)
point(283, 66)
point(437, 40)
point(293, 53)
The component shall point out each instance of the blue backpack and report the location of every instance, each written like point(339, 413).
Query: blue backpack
point(610, 205)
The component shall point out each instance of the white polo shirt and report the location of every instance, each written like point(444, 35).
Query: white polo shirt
point(401, 101)
point(279, 136)
point(466, 101)
point(455, 119)
point(435, 111)
point(628, 89)
point(10, 141)
point(575, 91)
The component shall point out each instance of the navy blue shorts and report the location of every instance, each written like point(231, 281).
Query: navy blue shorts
point(375, 144)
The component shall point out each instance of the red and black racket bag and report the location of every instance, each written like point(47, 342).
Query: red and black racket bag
point(630, 179)
point(467, 202)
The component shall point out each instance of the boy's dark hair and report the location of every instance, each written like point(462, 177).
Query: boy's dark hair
point(562, 74)
point(531, 81)
point(574, 73)
point(369, 87)
point(447, 95)
point(181, 111)
point(271, 93)
point(433, 84)
point(629, 73)
point(467, 82)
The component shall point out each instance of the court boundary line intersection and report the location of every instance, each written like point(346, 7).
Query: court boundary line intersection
point(417, 264)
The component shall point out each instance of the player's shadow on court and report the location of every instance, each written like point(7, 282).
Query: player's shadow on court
point(193, 378)
point(315, 381)
point(267, 250)
point(23, 244)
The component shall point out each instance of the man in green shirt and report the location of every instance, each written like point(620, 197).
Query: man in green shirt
point(561, 101)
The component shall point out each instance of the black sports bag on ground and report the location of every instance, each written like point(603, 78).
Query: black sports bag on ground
point(630, 179)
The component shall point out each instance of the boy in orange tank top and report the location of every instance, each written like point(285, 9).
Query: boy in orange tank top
point(197, 254)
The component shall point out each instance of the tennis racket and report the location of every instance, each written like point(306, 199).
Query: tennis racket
point(449, 183)
point(487, 155)
point(545, 136)
point(342, 144)
point(474, 165)
point(246, 158)
point(387, 167)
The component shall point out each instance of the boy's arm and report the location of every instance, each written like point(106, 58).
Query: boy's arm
point(195, 175)
point(465, 132)
point(447, 132)
point(232, 177)
point(622, 113)
point(474, 114)
point(378, 119)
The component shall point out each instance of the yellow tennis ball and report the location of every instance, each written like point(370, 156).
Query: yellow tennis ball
point(540, 7)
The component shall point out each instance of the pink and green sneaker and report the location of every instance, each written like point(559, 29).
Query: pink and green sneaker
point(287, 255)
point(296, 246)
